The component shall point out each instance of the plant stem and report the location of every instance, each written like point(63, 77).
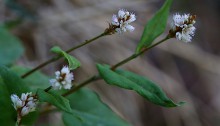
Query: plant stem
point(47, 89)
point(137, 54)
point(18, 122)
point(97, 77)
point(58, 57)
point(80, 85)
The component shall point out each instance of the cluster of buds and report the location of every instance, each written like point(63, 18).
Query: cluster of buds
point(121, 23)
point(24, 105)
point(182, 27)
point(63, 79)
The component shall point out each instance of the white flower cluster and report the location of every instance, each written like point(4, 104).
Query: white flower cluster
point(63, 79)
point(183, 27)
point(121, 23)
point(25, 104)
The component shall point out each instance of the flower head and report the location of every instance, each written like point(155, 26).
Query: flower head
point(27, 103)
point(121, 22)
point(183, 27)
point(63, 79)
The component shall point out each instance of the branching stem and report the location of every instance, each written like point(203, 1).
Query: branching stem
point(58, 56)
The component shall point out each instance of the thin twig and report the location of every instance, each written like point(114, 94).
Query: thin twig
point(58, 57)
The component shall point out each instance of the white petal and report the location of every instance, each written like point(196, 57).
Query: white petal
point(52, 81)
point(123, 28)
point(24, 96)
point(69, 77)
point(115, 20)
point(55, 84)
point(131, 19)
point(65, 70)
point(121, 13)
point(14, 98)
point(30, 99)
point(17, 103)
point(179, 36)
point(57, 73)
point(186, 38)
point(24, 111)
point(129, 28)
point(67, 86)
point(118, 30)
point(178, 20)
point(31, 104)
point(185, 17)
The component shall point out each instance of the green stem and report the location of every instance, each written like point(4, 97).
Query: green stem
point(18, 122)
point(47, 89)
point(58, 57)
point(137, 54)
point(97, 77)
point(80, 85)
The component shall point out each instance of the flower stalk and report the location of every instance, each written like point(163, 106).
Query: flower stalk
point(58, 57)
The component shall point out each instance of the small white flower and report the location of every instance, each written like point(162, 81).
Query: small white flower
point(129, 28)
point(65, 70)
point(17, 103)
point(55, 84)
point(25, 104)
point(24, 110)
point(24, 96)
point(115, 20)
point(31, 104)
point(183, 27)
point(63, 79)
point(132, 18)
point(121, 13)
point(121, 23)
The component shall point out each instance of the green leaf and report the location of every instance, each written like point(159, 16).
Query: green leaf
point(141, 85)
point(8, 113)
point(73, 62)
point(91, 110)
point(55, 99)
point(35, 80)
point(155, 26)
point(10, 47)
point(14, 84)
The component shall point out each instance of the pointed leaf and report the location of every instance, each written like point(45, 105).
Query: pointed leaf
point(139, 84)
point(92, 111)
point(55, 99)
point(155, 26)
point(73, 62)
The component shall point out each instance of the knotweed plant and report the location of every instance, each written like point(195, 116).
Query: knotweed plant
point(79, 106)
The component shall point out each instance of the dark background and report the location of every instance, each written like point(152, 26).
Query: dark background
point(186, 71)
